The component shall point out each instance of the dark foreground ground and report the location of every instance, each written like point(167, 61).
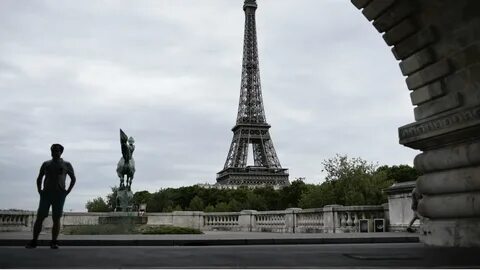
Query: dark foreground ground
point(387, 255)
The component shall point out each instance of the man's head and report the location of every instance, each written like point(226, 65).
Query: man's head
point(57, 150)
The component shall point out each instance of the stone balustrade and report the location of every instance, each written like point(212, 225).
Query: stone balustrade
point(270, 221)
point(310, 221)
point(348, 218)
point(225, 221)
point(329, 219)
point(16, 220)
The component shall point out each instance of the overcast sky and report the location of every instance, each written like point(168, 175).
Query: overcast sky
point(168, 73)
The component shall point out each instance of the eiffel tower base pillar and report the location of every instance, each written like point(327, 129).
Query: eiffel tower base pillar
point(253, 177)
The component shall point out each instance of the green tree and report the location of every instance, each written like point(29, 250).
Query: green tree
point(97, 205)
point(290, 196)
point(234, 206)
point(141, 197)
point(221, 207)
point(374, 187)
point(196, 204)
point(255, 202)
point(270, 199)
point(209, 208)
point(112, 198)
point(349, 181)
point(317, 196)
point(344, 168)
point(399, 173)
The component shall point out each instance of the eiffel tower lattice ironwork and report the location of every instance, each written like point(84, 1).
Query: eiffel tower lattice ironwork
point(251, 127)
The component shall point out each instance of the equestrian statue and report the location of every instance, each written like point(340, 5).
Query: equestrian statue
point(126, 164)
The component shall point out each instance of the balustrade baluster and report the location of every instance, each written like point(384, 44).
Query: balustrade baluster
point(349, 219)
point(355, 222)
point(342, 219)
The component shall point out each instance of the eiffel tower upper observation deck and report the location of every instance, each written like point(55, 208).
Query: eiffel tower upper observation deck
point(251, 127)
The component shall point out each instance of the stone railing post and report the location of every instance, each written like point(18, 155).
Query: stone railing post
point(386, 214)
point(246, 220)
point(399, 204)
point(31, 221)
point(330, 218)
point(291, 219)
point(190, 219)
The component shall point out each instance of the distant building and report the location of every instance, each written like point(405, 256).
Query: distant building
point(226, 186)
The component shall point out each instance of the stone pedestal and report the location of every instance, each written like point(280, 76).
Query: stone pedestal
point(246, 220)
point(124, 201)
point(330, 218)
point(290, 219)
point(454, 232)
point(400, 206)
point(451, 194)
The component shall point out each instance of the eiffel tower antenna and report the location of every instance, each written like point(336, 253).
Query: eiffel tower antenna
point(251, 127)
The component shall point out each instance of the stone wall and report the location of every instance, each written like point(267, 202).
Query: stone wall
point(399, 206)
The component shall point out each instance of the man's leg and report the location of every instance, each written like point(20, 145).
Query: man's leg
point(37, 227)
point(55, 229)
point(57, 211)
point(415, 217)
point(42, 213)
point(412, 221)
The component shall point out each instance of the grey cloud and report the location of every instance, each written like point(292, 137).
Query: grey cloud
point(168, 73)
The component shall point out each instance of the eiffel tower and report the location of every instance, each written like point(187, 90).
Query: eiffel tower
point(251, 127)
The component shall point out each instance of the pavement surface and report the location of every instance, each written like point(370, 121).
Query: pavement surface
point(382, 255)
point(233, 250)
point(211, 238)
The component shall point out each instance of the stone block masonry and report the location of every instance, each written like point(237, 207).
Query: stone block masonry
point(437, 44)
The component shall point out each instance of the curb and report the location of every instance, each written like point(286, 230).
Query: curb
point(217, 242)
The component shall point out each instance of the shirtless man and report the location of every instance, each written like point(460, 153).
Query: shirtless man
point(416, 196)
point(53, 193)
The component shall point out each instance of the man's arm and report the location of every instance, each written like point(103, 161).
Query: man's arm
point(41, 174)
point(73, 179)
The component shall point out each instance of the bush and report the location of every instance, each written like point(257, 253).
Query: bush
point(168, 230)
point(108, 229)
point(101, 229)
point(97, 205)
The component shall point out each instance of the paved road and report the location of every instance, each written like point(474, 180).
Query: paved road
point(212, 238)
point(407, 255)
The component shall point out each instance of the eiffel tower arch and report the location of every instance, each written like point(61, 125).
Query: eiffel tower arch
point(251, 129)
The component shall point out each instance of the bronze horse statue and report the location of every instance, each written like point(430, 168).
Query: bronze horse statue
point(126, 164)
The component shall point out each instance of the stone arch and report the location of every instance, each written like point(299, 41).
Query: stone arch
point(438, 46)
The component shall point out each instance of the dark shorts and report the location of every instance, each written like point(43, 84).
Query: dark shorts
point(56, 199)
